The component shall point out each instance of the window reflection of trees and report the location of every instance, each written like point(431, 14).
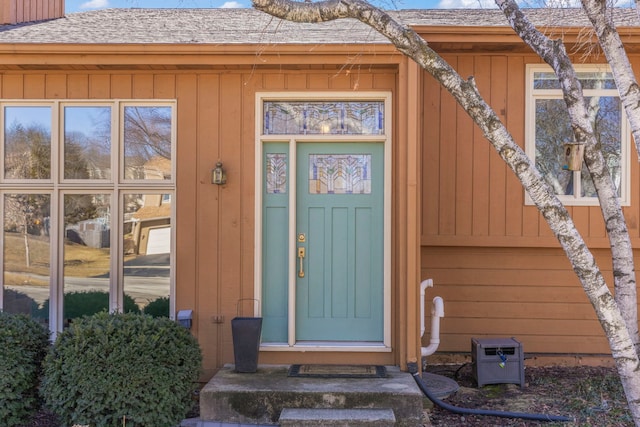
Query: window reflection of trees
point(147, 135)
point(85, 225)
point(27, 143)
point(26, 252)
point(553, 130)
point(87, 142)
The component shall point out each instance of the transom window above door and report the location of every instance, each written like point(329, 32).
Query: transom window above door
point(323, 117)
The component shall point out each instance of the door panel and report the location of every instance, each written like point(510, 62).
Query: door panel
point(340, 280)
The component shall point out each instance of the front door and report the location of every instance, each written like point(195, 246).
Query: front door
point(339, 291)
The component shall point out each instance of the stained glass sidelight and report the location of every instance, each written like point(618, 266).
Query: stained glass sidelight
point(321, 117)
point(276, 173)
point(340, 173)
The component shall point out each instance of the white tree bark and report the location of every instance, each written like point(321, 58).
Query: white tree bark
point(624, 277)
point(555, 55)
point(601, 18)
point(411, 44)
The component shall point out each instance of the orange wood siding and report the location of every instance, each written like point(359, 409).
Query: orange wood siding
point(492, 258)
point(214, 224)
point(527, 293)
point(470, 197)
point(17, 11)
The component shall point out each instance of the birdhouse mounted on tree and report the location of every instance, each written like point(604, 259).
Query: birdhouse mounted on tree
point(573, 153)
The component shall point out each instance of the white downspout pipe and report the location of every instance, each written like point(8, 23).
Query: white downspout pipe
point(437, 311)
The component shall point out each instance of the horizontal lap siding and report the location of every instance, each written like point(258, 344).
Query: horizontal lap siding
point(529, 294)
point(493, 259)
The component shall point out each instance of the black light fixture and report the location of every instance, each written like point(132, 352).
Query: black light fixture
point(218, 174)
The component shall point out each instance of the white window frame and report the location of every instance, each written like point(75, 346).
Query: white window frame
point(530, 139)
point(116, 187)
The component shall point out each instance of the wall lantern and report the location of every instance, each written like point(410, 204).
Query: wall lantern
point(218, 175)
point(573, 153)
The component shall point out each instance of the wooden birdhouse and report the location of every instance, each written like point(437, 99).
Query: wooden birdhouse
point(573, 153)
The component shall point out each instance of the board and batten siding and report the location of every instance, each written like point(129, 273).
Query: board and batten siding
point(17, 11)
point(493, 258)
point(214, 224)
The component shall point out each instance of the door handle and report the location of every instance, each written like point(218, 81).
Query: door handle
point(301, 255)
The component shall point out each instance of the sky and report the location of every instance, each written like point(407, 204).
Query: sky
point(84, 5)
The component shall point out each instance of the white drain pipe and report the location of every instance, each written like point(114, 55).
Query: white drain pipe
point(437, 311)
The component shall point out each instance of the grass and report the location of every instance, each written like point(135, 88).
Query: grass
point(79, 260)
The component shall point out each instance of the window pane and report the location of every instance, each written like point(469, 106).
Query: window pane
point(589, 80)
point(26, 254)
point(27, 142)
point(87, 143)
point(318, 117)
point(147, 143)
point(553, 130)
point(597, 80)
point(86, 254)
point(147, 246)
point(606, 113)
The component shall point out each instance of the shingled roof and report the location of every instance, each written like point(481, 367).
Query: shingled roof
point(248, 26)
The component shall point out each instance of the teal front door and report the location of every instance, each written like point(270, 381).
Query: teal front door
point(339, 290)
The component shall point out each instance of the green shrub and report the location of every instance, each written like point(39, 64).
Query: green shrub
point(16, 302)
point(87, 303)
point(108, 368)
point(158, 307)
point(23, 346)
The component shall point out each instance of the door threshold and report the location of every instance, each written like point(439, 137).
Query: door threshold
point(350, 346)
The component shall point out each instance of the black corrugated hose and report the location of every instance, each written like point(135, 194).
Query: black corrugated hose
point(413, 369)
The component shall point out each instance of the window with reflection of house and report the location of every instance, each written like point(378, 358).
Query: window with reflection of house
point(549, 129)
point(86, 195)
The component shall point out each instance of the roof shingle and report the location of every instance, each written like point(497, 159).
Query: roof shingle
point(249, 26)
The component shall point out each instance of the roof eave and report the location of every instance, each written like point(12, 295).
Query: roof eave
point(120, 56)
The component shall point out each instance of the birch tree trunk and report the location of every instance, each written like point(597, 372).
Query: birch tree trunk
point(601, 18)
point(466, 94)
point(554, 54)
point(624, 276)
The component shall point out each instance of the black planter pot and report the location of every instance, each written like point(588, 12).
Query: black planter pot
point(246, 342)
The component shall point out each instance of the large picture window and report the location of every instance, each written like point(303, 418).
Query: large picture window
point(549, 129)
point(86, 195)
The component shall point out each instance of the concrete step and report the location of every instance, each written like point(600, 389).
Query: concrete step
point(260, 397)
point(300, 417)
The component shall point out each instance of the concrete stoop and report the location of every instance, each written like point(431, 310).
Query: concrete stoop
point(271, 397)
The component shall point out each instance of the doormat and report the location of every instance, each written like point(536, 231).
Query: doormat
point(338, 371)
